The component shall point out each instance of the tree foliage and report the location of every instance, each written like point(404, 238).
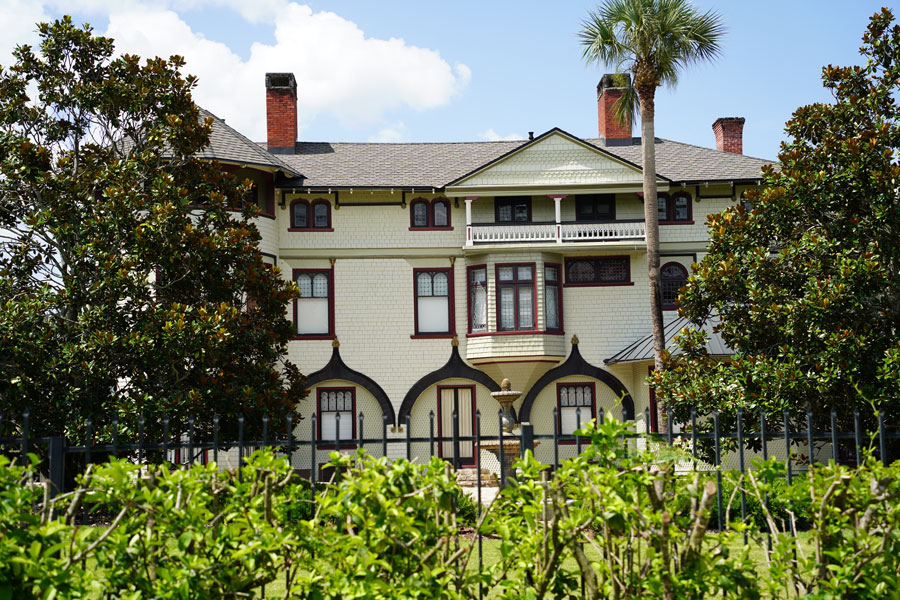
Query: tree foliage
point(130, 281)
point(805, 276)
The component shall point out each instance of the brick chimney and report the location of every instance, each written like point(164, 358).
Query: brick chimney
point(610, 89)
point(729, 134)
point(281, 112)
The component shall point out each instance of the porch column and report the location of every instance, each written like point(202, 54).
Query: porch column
point(469, 200)
point(557, 199)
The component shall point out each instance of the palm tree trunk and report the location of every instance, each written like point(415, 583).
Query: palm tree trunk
point(651, 219)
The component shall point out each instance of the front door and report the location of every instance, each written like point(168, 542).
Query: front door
point(460, 399)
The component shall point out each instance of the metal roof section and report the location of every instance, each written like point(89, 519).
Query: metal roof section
point(226, 144)
point(642, 349)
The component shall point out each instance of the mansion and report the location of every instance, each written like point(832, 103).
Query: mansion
point(430, 272)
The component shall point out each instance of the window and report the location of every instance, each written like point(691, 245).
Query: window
point(314, 309)
point(605, 270)
point(429, 215)
point(675, 208)
point(433, 306)
point(574, 400)
point(595, 207)
point(334, 403)
point(477, 299)
point(515, 209)
point(311, 217)
point(552, 298)
point(672, 277)
point(261, 193)
point(515, 297)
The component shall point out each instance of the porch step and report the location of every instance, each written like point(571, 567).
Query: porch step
point(469, 478)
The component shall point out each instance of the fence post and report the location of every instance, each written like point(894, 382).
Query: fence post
point(26, 425)
point(881, 440)
point(454, 416)
point(431, 433)
point(717, 441)
point(500, 449)
point(359, 437)
point(216, 439)
point(527, 442)
point(57, 465)
point(694, 437)
point(555, 438)
point(834, 439)
point(408, 440)
point(857, 438)
point(810, 442)
point(740, 441)
point(384, 422)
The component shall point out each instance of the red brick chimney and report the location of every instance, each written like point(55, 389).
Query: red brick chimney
point(610, 89)
point(729, 134)
point(281, 112)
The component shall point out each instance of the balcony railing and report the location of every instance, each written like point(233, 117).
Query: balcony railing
point(607, 231)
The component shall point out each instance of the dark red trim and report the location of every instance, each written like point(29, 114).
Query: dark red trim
point(475, 448)
point(559, 298)
point(498, 285)
point(560, 384)
point(310, 215)
point(436, 336)
point(518, 332)
point(317, 336)
point(670, 209)
point(451, 329)
point(469, 270)
point(654, 418)
point(320, 444)
point(429, 215)
point(628, 280)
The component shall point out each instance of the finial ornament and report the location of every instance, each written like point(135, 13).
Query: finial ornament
point(574, 340)
point(452, 260)
point(332, 261)
point(505, 385)
point(335, 343)
point(454, 342)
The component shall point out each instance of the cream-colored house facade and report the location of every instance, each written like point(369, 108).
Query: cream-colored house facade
point(431, 272)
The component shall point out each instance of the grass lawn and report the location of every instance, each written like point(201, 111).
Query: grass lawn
point(491, 555)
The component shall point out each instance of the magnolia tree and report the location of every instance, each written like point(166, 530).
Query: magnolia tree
point(805, 274)
point(130, 280)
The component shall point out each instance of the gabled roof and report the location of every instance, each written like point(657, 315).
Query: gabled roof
point(226, 144)
point(427, 165)
point(642, 349)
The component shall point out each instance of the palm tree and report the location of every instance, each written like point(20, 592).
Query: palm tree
point(653, 40)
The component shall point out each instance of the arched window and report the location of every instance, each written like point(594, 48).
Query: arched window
point(419, 210)
point(299, 214)
point(441, 211)
point(674, 208)
point(429, 215)
point(673, 277)
point(321, 214)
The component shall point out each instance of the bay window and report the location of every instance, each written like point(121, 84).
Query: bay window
point(515, 297)
point(477, 299)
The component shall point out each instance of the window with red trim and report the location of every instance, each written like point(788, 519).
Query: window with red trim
point(313, 216)
point(314, 309)
point(477, 299)
point(672, 277)
point(675, 208)
point(336, 414)
point(552, 298)
point(598, 270)
point(429, 215)
point(576, 405)
point(515, 297)
point(433, 301)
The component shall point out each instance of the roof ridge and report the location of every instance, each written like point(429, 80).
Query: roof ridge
point(767, 160)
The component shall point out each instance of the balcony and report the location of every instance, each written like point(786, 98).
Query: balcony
point(631, 230)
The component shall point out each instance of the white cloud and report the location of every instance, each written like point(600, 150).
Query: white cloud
point(340, 72)
point(396, 132)
point(492, 136)
point(18, 25)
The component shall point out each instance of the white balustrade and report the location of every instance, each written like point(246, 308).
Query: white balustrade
point(547, 232)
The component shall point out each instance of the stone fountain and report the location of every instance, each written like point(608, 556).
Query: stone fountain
point(509, 422)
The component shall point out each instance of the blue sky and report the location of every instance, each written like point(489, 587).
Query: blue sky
point(451, 71)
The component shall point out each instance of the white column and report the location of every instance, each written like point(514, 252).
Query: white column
point(469, 200)
point(557, 199)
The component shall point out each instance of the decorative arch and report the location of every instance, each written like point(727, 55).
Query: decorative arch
point(455, 368)
point(576, 365)
point(336, 369)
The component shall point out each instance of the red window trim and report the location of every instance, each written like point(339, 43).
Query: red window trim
point(598, 258)
point(497, 210)
point(523, 332)
point(498, 285)
point(440, 445)
point(670, 208)
point(429, 215)
point(559, 297)
point(317, 336)
point(310, 217)
point(469, 270)
point(451, 309)
point(683, 269)
point(654, 418)
point(320, 445)
point(560, 384)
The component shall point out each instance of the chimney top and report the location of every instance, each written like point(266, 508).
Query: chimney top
point(613, 81)
point(612, 86)
point(729, 132)
point(281, 81)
